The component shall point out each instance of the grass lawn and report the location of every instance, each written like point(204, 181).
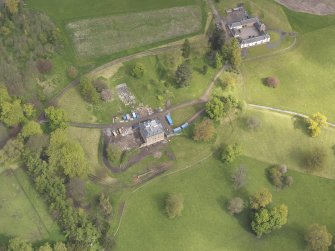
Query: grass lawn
point(206, 225)
point(22, 212)
point(77, 110)
point(306, 73)
point(280, 139)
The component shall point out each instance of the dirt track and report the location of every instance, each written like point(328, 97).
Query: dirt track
point(317, 7)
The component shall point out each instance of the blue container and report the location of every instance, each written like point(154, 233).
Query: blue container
point(169, 119)
point(184, 125)
point(177, 130)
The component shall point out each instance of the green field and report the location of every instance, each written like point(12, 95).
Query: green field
point(306, 73)
point(22, 212)
point(108, 35)
point(280, 139)
point(102, 46)
point(206, 225)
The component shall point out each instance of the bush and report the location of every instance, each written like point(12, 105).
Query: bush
point(277, 176)
point(106, 95)
point(72, 72)
point(174, 205)
point(253, 123)
point(315, 161)
point(44, 66)
point(272, 82)
point(239, 178)
point(235, 205)
point(137, 71)
point(100, 84)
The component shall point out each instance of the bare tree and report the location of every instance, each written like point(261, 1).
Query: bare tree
point(239, 178)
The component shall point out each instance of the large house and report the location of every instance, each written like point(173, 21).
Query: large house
point(249, 31)
point(152, 132)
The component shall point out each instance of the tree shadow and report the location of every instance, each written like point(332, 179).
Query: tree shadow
point(299, 123)
point(160, 199)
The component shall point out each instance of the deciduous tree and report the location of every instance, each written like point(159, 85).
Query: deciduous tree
point(174, 205)
point(204, 131)
point(57, 118)
point(315, 123)
point(266, 220)
point(186, 49)
point(235, 57)
point(231, 152)
point(12, 6)
point(316, 159)
point(318, 238)
point(235, 205)
point(31, 128)
point(17, 244)
point(260, 199)
point(239, 178)
point(215, 108)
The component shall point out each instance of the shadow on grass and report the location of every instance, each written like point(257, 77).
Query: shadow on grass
point(299, 123)
point(160, 201)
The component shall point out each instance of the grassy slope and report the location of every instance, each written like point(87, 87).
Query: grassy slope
point(280, 140)
point(22, 212)
point(306, 73)
point(206, 225)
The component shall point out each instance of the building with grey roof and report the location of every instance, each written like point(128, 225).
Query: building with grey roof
point(152, 131)
point(249, 31)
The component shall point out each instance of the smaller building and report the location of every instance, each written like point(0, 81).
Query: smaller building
point(152, 132)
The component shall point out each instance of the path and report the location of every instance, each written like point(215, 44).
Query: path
point(261, 107)
point(202, 100)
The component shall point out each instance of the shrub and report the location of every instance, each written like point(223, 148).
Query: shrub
point(288, 181)
point(253, 123)
point(315, 123)
point(260, 199)
point(174, 205)
point(239, 178)
point(105, 205)
point(44, 65)
point(316, 160)
point(106, 95)
point(235, 205)
point(137, 71)
point(72, 72)
point(100, 84)
point(272, 82)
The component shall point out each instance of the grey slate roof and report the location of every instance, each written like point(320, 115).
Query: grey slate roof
point(255, 39)
point(151, 128)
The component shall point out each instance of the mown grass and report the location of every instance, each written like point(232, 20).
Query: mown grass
point(205, 223)
point(280, 139)
point(22, 212)
point(306, 76)
point(182, 115)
